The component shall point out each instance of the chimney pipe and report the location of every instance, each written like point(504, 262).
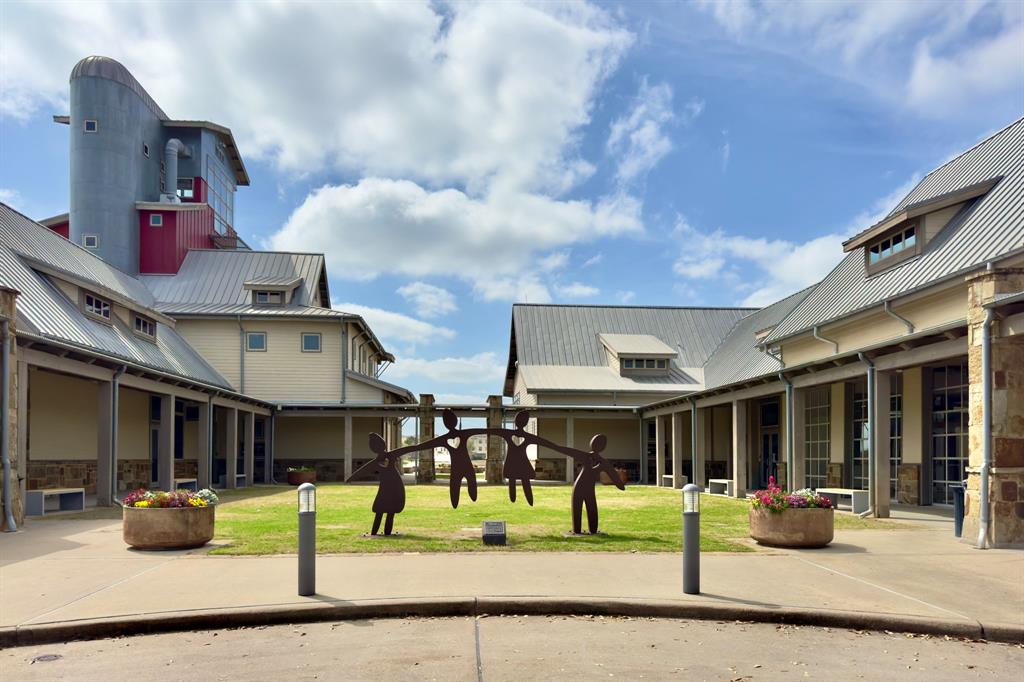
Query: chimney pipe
point(172, 151)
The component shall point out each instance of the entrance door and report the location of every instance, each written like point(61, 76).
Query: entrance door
point(769, 458)
point(651, 452)
point(154, 455)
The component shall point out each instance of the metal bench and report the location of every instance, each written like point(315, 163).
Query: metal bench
point(858, 498)
point(185, 484)
point(720, 486)
point(68, 499)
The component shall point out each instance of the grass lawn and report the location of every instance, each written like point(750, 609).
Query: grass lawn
point(262, 520)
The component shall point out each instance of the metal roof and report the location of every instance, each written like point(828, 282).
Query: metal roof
point(111, 69)
point(568, 334)
point(247, 310)
point(585, 379)
point(216, 276)
point(383, 385)
point(987, 228)
point(636, 344)
point(738, 359)
point(45, 311)
point(286, 281)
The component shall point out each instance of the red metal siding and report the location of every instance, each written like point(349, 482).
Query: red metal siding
point(162, 249)
point(62, 229)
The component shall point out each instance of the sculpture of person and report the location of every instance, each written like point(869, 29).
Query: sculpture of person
point(462, 463)
point(390, 498)
point(583, 489)
point(517, 463)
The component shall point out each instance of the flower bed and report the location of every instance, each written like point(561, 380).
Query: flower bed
point(168, 520)
point(799, 519)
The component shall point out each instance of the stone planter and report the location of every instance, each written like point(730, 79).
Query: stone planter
point(792, 527)
point(300, 477)
point(171, 528)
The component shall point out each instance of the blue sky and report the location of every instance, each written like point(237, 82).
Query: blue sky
point(453, 158)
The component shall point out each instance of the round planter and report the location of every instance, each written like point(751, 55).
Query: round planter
point(300, 477)
point(792, 527)
point(171, 528)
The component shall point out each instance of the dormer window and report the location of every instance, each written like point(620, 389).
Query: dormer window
point(894, 244)
point(96, 307)
point(267, 297)
point(144, 327)
point(645, 364)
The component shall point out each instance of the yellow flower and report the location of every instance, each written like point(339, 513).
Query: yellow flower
point(142, 503)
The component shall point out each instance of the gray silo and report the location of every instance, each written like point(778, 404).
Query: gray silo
point(114, 124)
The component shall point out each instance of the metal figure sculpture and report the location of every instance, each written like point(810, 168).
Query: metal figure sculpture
point(390, 498)
point(583, 489)
point(517, 463)
point(462, 463)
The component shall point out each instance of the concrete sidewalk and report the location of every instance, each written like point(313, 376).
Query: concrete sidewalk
point(78, 570)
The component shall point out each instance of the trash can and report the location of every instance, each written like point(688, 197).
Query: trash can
point(958, 509)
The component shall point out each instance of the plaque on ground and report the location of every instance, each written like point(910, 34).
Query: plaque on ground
point(494, 532)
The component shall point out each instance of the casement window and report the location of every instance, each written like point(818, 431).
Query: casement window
point(144, 327)
point(186, 188)
point(894, 247)
point(255, 342)
point(647, 365)
point(267, 297)
point(96, 307)
point(311, 342)
point(90, 125)
point(91, 241)
point(156, 220)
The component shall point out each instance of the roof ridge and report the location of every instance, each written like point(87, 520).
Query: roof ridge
point(632, 307)
point(249, 251)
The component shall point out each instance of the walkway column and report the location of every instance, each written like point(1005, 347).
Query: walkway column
point(348, 446)
point(268, 448)
point(20, 425)
point(204, 449)
point(231, 445)
point(740, 443)
point(797, 478)
point(106, 433)
point(570, 442)
point(679, 439)
point(659, 450)
point(1006, 412)
point(16, 425)
point(425, 471)
point(702, 446)
point(880, 444)
point(495, 444)
point(165, 450)
point(248, 446)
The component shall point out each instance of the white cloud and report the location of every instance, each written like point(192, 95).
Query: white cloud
point(625, 296)
point(905, 51)
point(482, 368)
point(554, 261)
point(593, 260)
point(11, 197)
point(491, 242)
point(430, 300)
point(638, 139)
point(392, 326)
point(576, 290)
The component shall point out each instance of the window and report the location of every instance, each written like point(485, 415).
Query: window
point(156, 220)
point(860, 445)
point(662, 364)
point(255, 342)
point(145, 327)
point(90, 125)
point(96, 306)
point(310, 343)
point(948, 430)
point(817, 414)
point(91, 241)
point(516, 399)
point(186, 188)
point(268, 297)
point(895, 433)
point(627, 363)
point(145, 150)
point(220, 196)
point(900, 242)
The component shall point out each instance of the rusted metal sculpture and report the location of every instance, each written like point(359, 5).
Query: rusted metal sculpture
point(390, 498)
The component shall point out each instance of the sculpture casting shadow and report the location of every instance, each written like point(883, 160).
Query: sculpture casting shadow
point(390, 499)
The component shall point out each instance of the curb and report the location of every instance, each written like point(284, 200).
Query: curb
point(209, 619)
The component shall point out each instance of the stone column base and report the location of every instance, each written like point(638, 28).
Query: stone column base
point(1006, 493)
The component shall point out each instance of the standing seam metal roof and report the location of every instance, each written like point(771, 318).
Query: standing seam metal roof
point(988, 228)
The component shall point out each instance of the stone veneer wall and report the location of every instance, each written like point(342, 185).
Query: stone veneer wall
point(834, 476)
point(186, 468)
point(133, 474)
point(550, 469)
point(1006, 482)
point(75, 473)
point(8, 309)
point(908, 484)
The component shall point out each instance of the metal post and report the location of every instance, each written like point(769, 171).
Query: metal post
point(307, 539)
point(691, 539)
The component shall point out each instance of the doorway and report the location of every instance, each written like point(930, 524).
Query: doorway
point(768, 450)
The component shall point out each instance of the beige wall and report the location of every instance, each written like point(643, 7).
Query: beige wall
point(936, 220)
point(62, 416)
point(913, 416)
point(525, 398)
point(602, 398)
point(133, 424)
point(218, 342)
point(323, 437)
point(359, 392)
point(719, 430)
point(623, 436)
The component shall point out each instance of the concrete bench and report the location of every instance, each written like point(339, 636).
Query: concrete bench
point(68, 499)
point(720, 486)
point(185, 484)
point(858, 498)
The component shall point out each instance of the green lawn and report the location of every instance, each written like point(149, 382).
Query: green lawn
point(262, 520)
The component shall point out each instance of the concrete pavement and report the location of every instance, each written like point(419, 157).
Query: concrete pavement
point(78, 571)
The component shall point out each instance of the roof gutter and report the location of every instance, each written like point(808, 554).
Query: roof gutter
point(5, 423)
point(819, 337)
point(892, 313)
point(241, 355)
point(986, 420)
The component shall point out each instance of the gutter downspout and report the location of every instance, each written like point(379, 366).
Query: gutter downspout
point(5, 407)
point(871, 434)
point(986, 420)
point(344, 359)
point(893, 313)
point(115, 408)
point(819, 337)
point(241, 356)
point(790, 440)
point(693, 440)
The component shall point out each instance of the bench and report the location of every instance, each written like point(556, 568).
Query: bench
point(68, 499)
point(185, 484)
point(720, 486)
point(858, 498)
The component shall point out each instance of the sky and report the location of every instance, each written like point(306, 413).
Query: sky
point(451, 159)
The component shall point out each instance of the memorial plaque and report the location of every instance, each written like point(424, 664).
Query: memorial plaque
point(494, 533)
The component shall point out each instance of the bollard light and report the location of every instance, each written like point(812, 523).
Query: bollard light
point(307, 539)
point(691, 539)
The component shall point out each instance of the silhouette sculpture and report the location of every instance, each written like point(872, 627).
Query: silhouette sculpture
point(390, 498)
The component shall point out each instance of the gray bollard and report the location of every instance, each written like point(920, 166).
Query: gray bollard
point(691, 539)
point(307, 539)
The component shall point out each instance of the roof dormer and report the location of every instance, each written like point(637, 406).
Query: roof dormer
point(638, 354)
point(272, 290)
